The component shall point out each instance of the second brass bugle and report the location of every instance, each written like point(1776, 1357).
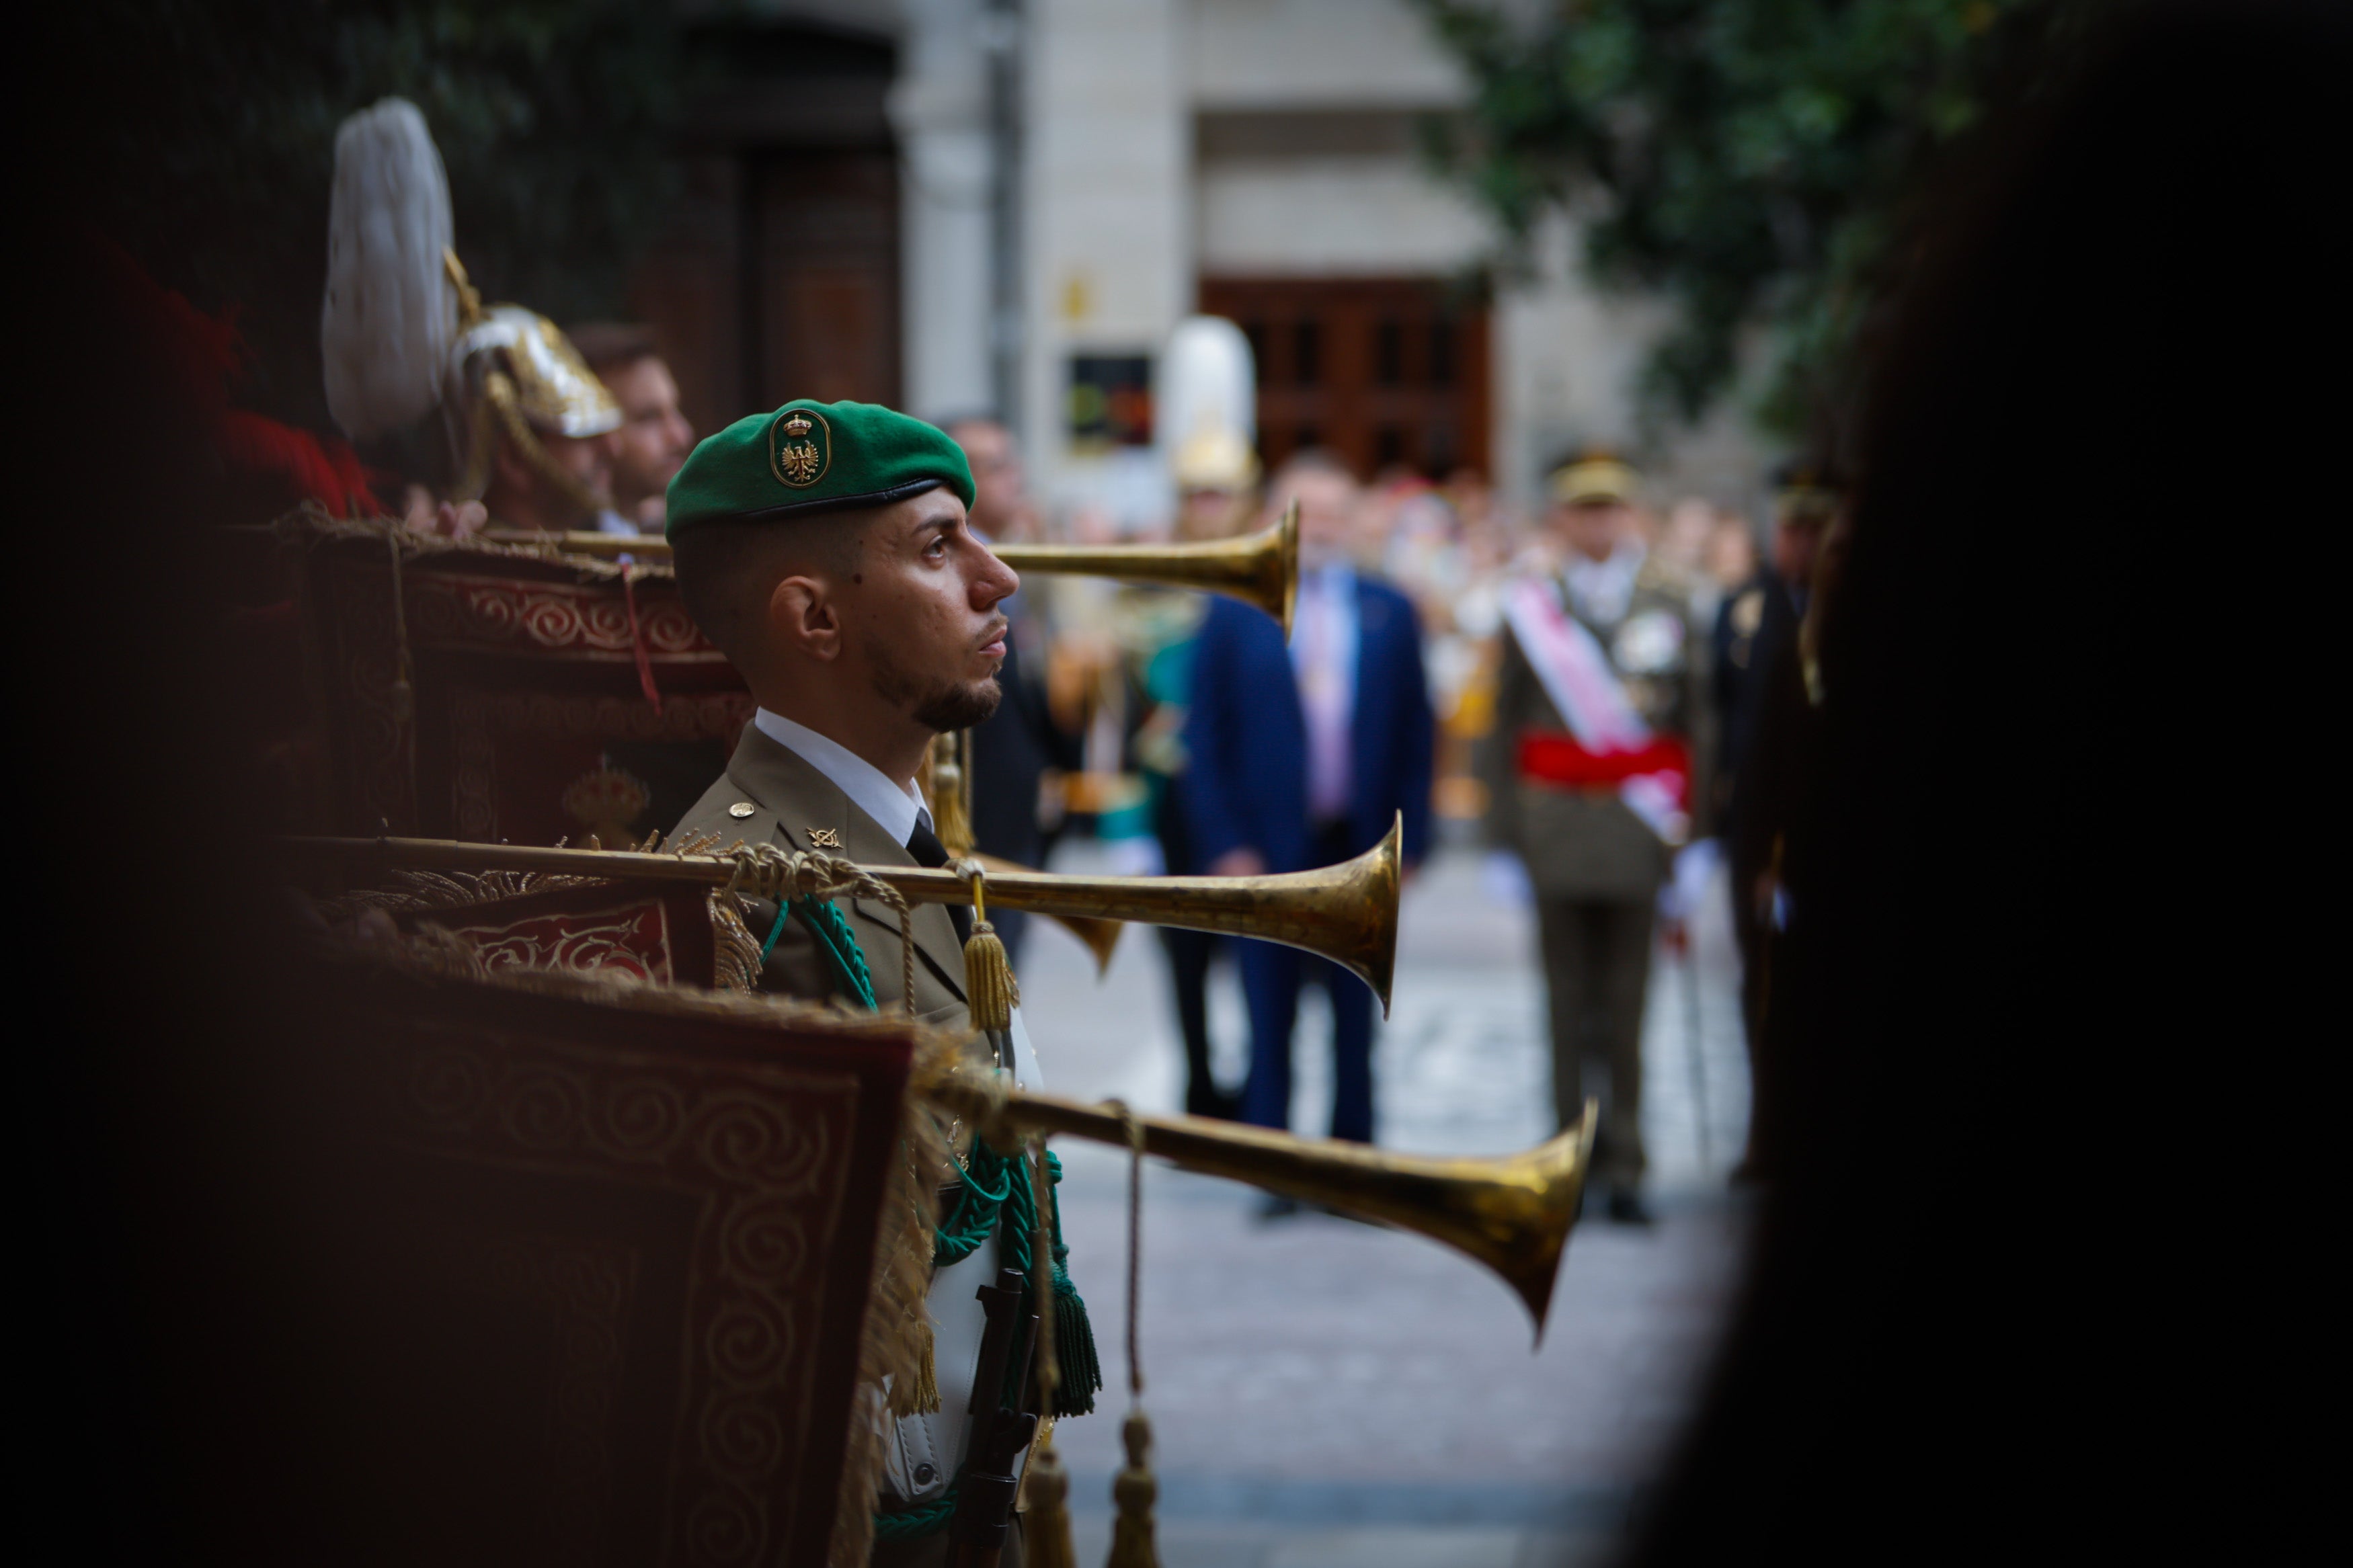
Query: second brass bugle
point(1346, 913)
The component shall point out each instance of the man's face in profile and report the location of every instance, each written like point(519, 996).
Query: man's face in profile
point(921, 611)
point(655, 438)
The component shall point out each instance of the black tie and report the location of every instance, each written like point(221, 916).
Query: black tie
point(930, 853)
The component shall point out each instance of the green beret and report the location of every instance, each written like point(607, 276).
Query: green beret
point(810, 456)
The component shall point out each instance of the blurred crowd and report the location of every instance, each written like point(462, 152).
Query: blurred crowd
point(1177, 730)
point(1113, 654)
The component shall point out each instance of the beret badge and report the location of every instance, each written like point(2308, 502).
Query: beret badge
point(800, 448)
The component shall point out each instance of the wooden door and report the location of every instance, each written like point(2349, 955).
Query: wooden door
point(1389, 372)
point(822, 292)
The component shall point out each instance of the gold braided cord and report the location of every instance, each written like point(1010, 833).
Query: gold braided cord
point(1134, 1541)
point(1134, 1130)
point(780, 875)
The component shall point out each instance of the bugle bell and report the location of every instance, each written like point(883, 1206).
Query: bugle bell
point(1346, 913)
point(1512, 1214)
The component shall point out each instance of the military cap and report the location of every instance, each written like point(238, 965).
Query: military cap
point(1806, 490)
point(809, 456)
point(1594, 478)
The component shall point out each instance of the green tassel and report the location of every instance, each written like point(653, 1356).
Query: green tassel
point(1074, 1350)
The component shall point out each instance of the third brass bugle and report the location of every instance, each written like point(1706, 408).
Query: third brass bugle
point(1512, 1214)
point(1261, 569)
point(1347, 913)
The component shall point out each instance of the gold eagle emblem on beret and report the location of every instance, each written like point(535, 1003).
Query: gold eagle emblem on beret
point(800, 448)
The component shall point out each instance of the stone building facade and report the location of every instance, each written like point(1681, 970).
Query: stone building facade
point(1062, 181)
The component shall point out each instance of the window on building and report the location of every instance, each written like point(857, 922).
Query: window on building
point(1388, 373)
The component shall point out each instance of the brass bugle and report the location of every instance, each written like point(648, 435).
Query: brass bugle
point(1512, 1214)
point(1346, 913)
point(1261, 569)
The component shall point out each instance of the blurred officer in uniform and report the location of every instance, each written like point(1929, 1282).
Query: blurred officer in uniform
point(1598, 740)
point(1756, 660)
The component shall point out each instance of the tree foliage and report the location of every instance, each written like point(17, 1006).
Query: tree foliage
point(201, 136)
point(1748, 159)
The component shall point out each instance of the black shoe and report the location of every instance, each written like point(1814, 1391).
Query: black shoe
point(1626, 1207)
point(1274, 1205)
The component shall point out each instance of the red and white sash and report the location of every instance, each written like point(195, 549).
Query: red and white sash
point(1611, 743)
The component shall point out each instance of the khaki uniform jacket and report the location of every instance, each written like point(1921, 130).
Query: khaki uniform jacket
point(1587, 844)
point(790, 803)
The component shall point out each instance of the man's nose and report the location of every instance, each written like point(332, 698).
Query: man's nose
point(996, 581)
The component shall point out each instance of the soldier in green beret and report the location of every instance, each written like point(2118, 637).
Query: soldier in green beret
point(824, 548)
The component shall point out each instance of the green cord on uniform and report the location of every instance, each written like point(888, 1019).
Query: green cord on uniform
point(834, 940)
point(998, 1197)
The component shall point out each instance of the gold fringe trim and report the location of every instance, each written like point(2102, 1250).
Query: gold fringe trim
point(894, 1351)
point(311, 523)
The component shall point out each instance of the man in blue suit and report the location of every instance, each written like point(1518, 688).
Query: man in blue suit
point(1303, 756)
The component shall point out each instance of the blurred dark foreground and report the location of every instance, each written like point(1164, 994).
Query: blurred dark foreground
point(2028, 1013)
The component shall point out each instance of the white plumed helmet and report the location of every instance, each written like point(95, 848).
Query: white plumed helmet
point(391, 311)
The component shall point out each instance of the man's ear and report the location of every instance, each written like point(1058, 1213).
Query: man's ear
point(801, 617)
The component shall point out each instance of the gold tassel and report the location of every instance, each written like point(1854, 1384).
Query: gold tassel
point(1133, 1492)
point(1046, 1528)
point(951, 790)
point(989, 992)
point(919, 1395)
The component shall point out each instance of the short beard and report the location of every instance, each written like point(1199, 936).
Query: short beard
point(949, 705)
point(959, 705)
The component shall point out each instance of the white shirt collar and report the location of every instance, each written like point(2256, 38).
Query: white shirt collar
point(895, 808)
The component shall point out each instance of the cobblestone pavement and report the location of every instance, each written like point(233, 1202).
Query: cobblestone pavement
point(1328, 1392)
